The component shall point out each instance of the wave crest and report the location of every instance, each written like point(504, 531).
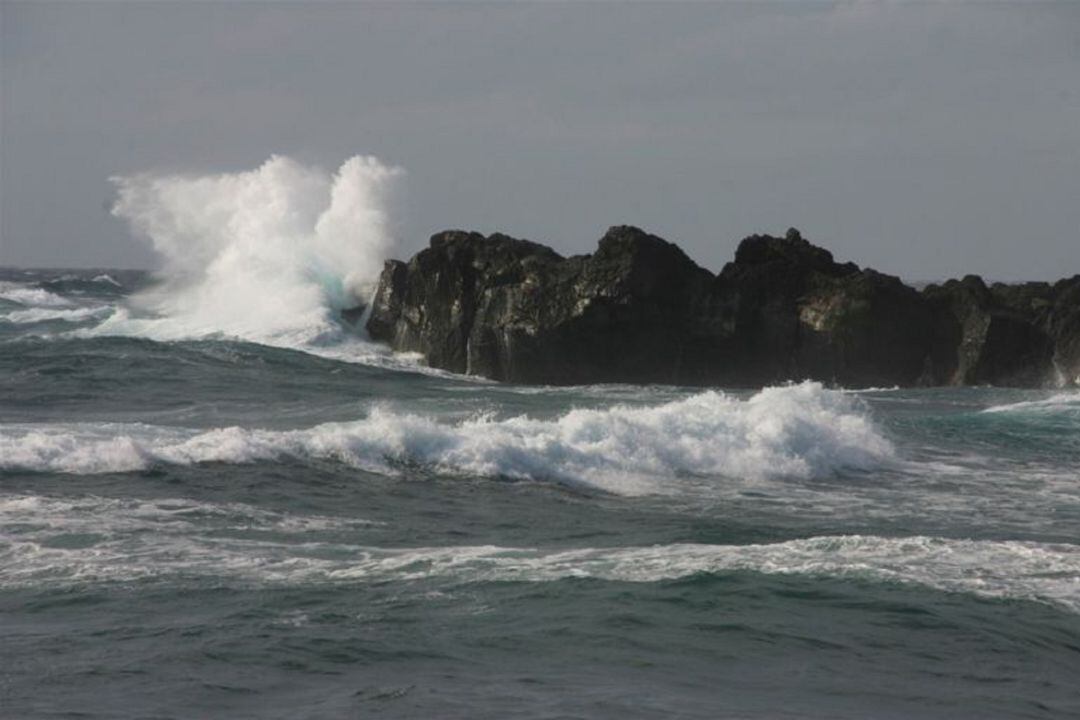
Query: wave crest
point(800, 430)
point(31, 296)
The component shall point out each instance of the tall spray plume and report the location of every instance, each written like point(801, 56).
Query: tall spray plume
point(268, 255)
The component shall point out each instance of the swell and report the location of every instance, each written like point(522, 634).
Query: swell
point(53, 542)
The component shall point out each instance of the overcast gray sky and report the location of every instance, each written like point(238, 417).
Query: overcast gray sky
point(923, 139)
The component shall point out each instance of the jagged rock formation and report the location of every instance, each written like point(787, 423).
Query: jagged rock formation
point(514, 310)
point(639, 310)
point(1025, 335)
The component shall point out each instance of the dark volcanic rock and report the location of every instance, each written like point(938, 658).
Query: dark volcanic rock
point(796, 313)
point(639, 310)
point(1063, 326)
point(514, 310)
point(992, 336)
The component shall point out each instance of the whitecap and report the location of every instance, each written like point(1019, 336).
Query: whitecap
point(108, 279)
point(31, 296)
point(798, 431)
point(72, 315)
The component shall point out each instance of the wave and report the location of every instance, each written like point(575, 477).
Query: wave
point(115, 516)
point(93, 540)
point(100, 285)
point(1062, 402)
point(270, 255)
point(989, 568)
point(107, 279)
point(872, 389)
point(31, 296)
point(800, 431)
point(72, 315)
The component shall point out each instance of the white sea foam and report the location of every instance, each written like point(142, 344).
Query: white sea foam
point(105, 278)
point(872, 389)
point(40, 314)
point(1061, 402)
point(40, 516)
point(799, 430)
point(93, 540)
point(998, 569)
point(31, 296)
point(270, 255)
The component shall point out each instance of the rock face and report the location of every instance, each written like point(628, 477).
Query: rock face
point(638, 310)
point(1023, 335)
point(514, 310)
point(796, 313)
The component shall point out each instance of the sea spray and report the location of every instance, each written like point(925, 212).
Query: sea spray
point(269, 255)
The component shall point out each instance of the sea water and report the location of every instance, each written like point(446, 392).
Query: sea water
point(217, 500)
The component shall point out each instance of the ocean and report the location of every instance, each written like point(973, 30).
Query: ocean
point(203, 523)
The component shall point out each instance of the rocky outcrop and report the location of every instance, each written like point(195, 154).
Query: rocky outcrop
point(796, 313)
point(638, 310)
point(1062, 324)
point(513, 310)
point(992, 340)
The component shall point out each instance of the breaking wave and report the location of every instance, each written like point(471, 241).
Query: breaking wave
point(107, 279)
point(30, 296)
point(800, 431)
point(270, 255)
point(33, 315)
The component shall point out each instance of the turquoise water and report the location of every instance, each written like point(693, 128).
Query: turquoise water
point(197, 526)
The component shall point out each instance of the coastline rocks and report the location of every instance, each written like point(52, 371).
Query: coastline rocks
point(996, 337)
point(514, 310)
point(1063, 326)
point(638, 310)
point(796, 313)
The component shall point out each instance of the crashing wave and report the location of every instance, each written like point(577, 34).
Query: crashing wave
point(30, 296)
point(270, 255)
point(800, 431)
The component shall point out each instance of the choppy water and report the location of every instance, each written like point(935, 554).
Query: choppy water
point(313, 528)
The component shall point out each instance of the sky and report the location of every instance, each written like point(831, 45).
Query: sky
point(927, 139)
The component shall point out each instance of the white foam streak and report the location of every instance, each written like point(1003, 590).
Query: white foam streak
point(999, 569)
point(115, 517)
point(106, 279)
point(58, 542)
point(799, 431)
point(31, 296)
point(1061, 402)
point(30, 316)
point(269, 255)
